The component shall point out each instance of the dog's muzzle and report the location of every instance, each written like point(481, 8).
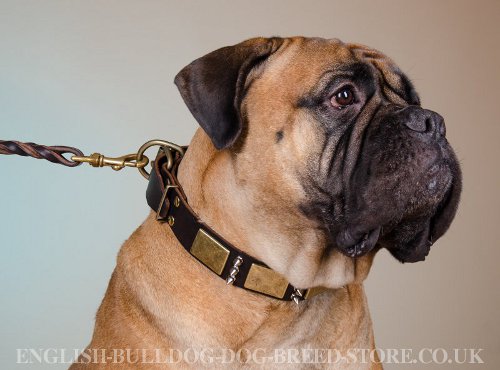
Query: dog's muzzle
point(404, 188)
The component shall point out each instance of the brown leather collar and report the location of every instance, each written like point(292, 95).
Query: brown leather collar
point(165, 196)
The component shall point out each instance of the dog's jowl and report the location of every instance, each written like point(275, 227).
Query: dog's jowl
point(312, 155)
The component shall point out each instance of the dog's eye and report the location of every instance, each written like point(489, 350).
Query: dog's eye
point(343, 98)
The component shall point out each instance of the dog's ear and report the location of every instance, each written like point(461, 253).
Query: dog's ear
point(212, 86)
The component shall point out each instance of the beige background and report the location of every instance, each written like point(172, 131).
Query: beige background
point(98, 75)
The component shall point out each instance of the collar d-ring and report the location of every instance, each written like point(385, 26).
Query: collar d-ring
point(167, 148)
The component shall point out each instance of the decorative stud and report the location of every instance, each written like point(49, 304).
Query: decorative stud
point(234, 270)
point(177, 202)
point(171, 220)
point(297, 295)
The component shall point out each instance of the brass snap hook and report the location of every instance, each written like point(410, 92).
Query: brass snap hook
point(99, 160)
point(137, 160)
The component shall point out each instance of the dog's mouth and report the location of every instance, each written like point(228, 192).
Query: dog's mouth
point(408, 226)
point(355, 246)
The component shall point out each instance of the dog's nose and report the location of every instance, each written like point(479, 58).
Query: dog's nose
point(424, 121)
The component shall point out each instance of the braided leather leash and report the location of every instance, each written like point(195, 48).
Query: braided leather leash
point(53, 154)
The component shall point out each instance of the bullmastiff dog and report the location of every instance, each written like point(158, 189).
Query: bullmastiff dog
point(312, 155)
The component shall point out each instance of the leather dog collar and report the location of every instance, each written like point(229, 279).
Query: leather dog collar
point(166, 197)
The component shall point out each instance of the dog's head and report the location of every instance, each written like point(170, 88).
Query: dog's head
point(330, 137)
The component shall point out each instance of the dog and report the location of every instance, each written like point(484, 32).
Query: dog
point(312, 155)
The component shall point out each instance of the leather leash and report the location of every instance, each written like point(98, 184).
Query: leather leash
point(53, 154)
